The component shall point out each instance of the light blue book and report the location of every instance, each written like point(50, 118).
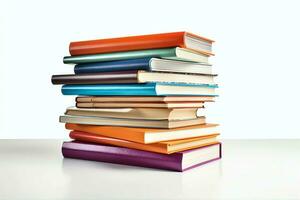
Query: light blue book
point(147, 89)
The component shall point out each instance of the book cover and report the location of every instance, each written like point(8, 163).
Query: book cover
point(149, 64)
point(136, 113)
point(168, 53)
point(126, 55)
point(143, 99)
point(144, 89)
point(126, 156)
point(109, 121)
point(139, 76)
point(133, 104)
point(97, 78)
point(151, 41)
point(110, 66)
point(167, 147)
point(147, 135)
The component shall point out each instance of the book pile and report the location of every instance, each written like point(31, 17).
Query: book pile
point(137, 101)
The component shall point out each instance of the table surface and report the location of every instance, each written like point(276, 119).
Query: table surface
point(249, 169)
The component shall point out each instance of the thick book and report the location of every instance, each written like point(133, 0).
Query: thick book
point(149, 64)
point(180, 161)
point(107, 121)
point(168, 53)
point(167, 147)
point(152, 41)
point(147, 135)
point(139, 76)
point(136, 113)
point(143, 99)
point(144, 89)
point(140, 105)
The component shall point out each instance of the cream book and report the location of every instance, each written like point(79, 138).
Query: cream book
point(130, 122)
point(111, 99)
point(136, 113)
point(140, 105)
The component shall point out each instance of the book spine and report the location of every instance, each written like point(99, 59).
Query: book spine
point(103, 78)
point(111, 66)
point(127, 43)
point(133, 160)
point(94, 138)
point(157, 53)
point(110, 90)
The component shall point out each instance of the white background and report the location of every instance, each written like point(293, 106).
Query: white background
point(257, 58)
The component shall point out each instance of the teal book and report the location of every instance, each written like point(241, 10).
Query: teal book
point(145, 89)
point(168, 53)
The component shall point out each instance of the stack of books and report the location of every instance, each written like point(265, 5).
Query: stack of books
point(139, 101)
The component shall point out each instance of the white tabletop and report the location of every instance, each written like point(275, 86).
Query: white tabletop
point(250, 169)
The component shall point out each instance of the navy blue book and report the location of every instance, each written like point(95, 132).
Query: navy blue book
point(144, 89)
point(149, 64)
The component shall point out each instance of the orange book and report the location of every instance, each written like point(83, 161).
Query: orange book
point(167, 147)
point(142, 42)
point(147, 135)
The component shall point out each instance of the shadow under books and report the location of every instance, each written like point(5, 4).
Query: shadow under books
point(100, 178)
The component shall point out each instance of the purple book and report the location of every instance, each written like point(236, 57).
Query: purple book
point(179, 161)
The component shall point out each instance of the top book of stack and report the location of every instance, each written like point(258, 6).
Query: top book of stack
point(142, 42)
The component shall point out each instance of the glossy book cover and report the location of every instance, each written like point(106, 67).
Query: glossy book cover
point(126, 156)
point(143, 89)
point(110, 66)
point(138, 42)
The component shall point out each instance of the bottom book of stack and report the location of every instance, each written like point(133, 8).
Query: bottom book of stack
point(179, 161)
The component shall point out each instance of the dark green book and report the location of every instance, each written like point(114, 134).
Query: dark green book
point(168, 53)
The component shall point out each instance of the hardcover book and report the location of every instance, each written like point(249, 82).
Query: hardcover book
point(179, 161)
point(143, 99)
point(145, 89)
point(167, 147)
point(152, 41)
point(132, 77)
point(136, 113)
point(140, 105)
point(92, 120)
point(168, 53)
point(149, 64)
point(147, 135)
